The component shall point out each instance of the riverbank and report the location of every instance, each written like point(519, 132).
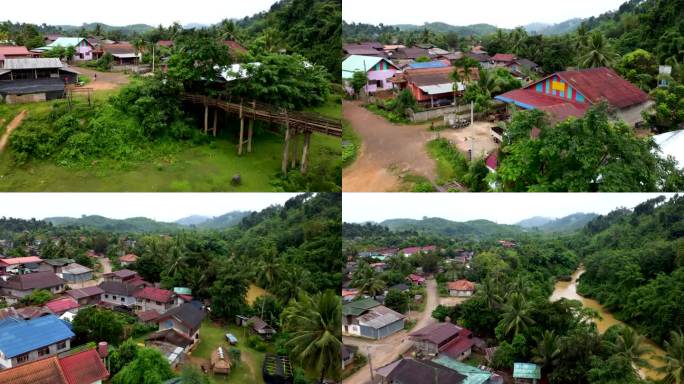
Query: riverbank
point(568, 290)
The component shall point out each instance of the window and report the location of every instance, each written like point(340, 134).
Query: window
point(123, 299)
point(114, 297)
point(23, 358)
point(379, 84)
point(44, 351)
point(61, 345)
point(106, 296)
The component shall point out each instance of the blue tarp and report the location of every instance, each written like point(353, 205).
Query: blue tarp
point(429, 64)
point(21, 336)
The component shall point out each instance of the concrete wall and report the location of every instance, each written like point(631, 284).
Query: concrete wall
point(33, 355)
point(632, 115)
point(380, 333)
point(146, 305)
point(457, 293)
point(438, 112)
point(20, 99)
point(128, 301)
point(69, 278)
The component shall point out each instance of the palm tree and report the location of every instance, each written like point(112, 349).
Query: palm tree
point(516, 314)
point(489, 290)
point(518, 37)
point(581, 41)
point(673, 359)
point(547, 350)
point(630, 345)
point(426, 36)
point(368, 281)
point(269, 270)
point(599, 53)
point(489, 82)
point(315, 323)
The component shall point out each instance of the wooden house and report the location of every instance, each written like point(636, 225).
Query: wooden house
point(261, 328)
point(124, 53)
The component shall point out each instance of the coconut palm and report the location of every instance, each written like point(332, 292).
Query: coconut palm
point(315, 324)
point(547, 350)
point(516, 314)
point(599, 53)
point(489, 290)
point(489, 82)
point(518, 37)
point(673, 359)
point(368, 281)
point(581, 41)
point(631, 345)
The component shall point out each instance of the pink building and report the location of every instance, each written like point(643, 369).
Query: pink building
point(378, 71)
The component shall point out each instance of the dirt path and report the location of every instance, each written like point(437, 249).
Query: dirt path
point(385, 351)
point(386, 146)
point(105, 80)
point(14, 124)
point(251, 364)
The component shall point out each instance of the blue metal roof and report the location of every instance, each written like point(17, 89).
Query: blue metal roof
point(429, 64)
point(21, 336)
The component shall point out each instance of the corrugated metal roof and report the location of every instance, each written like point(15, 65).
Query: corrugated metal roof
point(33, 63)
point(672, 144)
point(125, 55)
point(83, 367)
point(473, 375)
point(429, 64)
point(379, 317)
point(46, 371)
point(526, 371)
point(24, 336)
point(440, 88)
point(355, 63)
point(76, 269)
point(66, 42)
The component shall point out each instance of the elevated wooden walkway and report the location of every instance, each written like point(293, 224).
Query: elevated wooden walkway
point(295, 123)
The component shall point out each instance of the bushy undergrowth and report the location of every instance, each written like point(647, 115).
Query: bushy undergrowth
point(122, 128)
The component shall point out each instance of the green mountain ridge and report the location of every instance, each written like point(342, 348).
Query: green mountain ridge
point(564, 224)
point(465, 30)
point(144, 224)
point(475, 228)
point(137, 28)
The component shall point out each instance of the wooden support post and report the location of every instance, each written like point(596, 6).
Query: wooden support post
point(294, 149)
point(249, 135)
point(242, 131)
point(215, 120)
point(206, 118)
point(286, 151)
point(305, 152)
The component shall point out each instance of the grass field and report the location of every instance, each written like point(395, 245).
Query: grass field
point(248, 371)
point(203, 168)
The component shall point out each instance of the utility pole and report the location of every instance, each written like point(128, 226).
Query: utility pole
point(370, 364)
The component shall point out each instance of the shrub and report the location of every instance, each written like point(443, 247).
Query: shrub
point(256, 343)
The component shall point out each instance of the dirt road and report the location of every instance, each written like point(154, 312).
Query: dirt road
point(105, 80)
point(383, 352)
point(14, 124)
point(385, 146)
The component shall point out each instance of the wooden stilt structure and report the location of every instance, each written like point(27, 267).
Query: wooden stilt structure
point(206, 118)
point(215, 121)
point(305, 152)
point(286, 151)
point(242, 131)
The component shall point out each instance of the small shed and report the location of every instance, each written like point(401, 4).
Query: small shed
point(526, 373)
point(220, 362)
point(241, 320)
point(261, 328)
point(76, 273)
point(277, 369)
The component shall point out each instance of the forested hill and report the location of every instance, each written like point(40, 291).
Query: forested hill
point(143, 224)
point(465, 30)
point(656, 26)
point(564, 224)
point(634, 262)
point(312, 28)
point(126, 30)
point(475, 228)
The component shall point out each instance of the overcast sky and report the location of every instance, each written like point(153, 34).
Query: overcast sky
point(505, 14)
point(502, 208)
point(158, 206)
point(126, 12)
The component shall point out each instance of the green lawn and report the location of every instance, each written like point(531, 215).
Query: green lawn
point(204, 168)
point(353, 143)
point(212, 336)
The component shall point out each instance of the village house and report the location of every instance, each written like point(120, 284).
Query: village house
point(378, 70)
point(58, 306)
point(87, 295)
point(76, 273)
point(157, 299)
point(413, 250)
point(179, 326)
point(13, 52)
point(128, 259)
point(405, 371)
point(34, 79)
point(378, 267)
point(507, 243)
point(124, 54)
point(235, 49)
point(13, 265)
point(367, 318)
point(348, 353)
point(56, 265)
point(260, 327)
point(443, 338)
point(461, 288)
point(84, 50)
point(117, 293)
point(19, 286)
point(23, 341)
point(122, 275)
point(85, 367)
point(368, 49)
point(401, 287)
point(483, 59)
point(416, 279)
point(474, 375)
point(570, 94)
point(349, 294)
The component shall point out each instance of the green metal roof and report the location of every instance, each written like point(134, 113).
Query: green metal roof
point(355, 63)
point(526, 371)
point(473, 375)
point(356, 308)
point(66, 42)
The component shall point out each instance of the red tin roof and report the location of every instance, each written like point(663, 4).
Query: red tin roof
point(155, 294)
point(461, 285)
point(83, 367)
point(60, 306)
point(505, 57)
point(603, 83)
